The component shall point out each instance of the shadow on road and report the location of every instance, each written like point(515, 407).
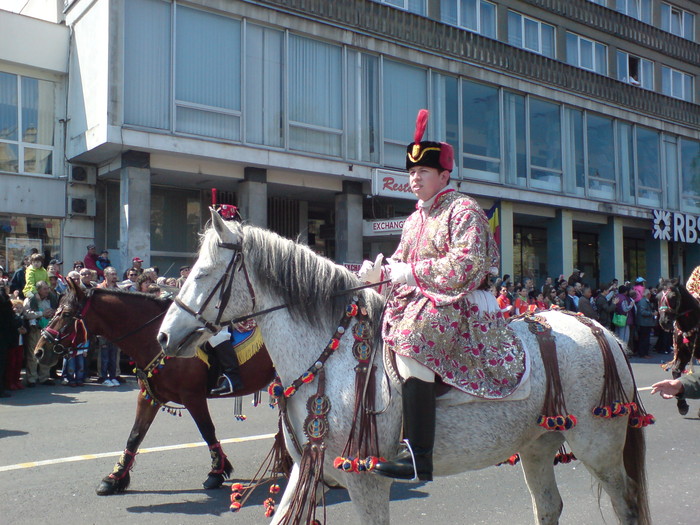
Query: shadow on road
point(12, 433)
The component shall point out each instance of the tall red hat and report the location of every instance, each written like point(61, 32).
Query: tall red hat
point(439, 155)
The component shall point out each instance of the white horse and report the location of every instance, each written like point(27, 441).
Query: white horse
point(264, 270)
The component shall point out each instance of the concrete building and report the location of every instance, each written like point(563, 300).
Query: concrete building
point(576, 122)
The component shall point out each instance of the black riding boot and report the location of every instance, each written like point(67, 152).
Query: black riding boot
point(419, 431)
point(230, 379)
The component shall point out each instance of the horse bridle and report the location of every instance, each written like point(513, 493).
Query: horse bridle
point(665, 305)
point(58, 339)
point(224, 286)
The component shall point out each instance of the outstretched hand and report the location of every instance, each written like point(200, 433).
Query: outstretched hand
point(668, 388)
point(371, 272)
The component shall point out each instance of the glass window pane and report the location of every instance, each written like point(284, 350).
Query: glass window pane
point(622, 66)
point(488, 19)
point(444, 120)
point(673, 174)
point(305, 139)
point(676, 21)
point(8, 106)
point(586, 49)
point(572, 49)
point(175, 220)
point(688, 88)
point(448, 11)
point(363, 107)
point(601, 157)
point(573, 161)
point(690, 167)
point(547, 40)
point(626, 162)
point(545, 134)
point(601, 59)
point(38, 161)
point(264, 74)
point(37, 111)
point(481, 120)
point(532, 35)
point(665, 80)
point(515, 29)
point(416, 6)
point(648, 164)
point(315, 83)
point(688, 26)
point(9, 157)
point(208, 123)
point(665, 17)
point(514, 140)
point(677, 84)
point(647, 74)
point(468, 17)
point(208, 59)
point(147, 62)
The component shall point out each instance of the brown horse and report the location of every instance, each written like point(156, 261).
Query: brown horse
point(132, 320)
point(679, 312)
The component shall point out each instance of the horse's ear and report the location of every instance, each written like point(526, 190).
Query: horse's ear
point(219, 225)
point(75, 288)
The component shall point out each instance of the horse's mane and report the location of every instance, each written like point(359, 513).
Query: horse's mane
point(161, 303)
point(301, 278)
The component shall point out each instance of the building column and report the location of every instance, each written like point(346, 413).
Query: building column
point(135, 208)
point(657, 259)
point(505, 220)
point(348, 223)
point(560, 242)
point(692, 259)
point(611, 252)
point(252, 196)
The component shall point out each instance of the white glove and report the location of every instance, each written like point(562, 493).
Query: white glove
point(400, 272)
point(371, 272)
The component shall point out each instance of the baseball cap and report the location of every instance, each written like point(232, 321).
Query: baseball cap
point(55, 261)
point(640, 280)
point(185, 267)
point(137, 259)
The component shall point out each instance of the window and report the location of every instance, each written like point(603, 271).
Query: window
point(574, 155)
point(264, 65)
point(414, 6)
point(586, 54)
point(401, 106)
point(363, 107)
point(481, 139)
point(601, 156)
point(26, 124)
point(677, 21)
point(639, 9)
point(600, 2)
point(690, 169)
point(207, 74)
point(444, 120)
point(676, 84)
point(476, 15)
point(530, 34)
point(648, 167)
point(625, 161)
point(545, 145)
point(515, 154)
point(635, 70)
point(315, 96)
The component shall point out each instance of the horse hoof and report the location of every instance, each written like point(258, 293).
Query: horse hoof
point(214, 481)
point(109, 486)
point(682, 407)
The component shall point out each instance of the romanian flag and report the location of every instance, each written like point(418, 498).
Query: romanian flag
point(494, 223)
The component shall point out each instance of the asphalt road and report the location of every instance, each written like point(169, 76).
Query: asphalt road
point(56, 444)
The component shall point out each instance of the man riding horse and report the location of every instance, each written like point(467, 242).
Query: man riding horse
point(440, 318)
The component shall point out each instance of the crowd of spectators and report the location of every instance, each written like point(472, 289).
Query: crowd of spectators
point(28, 300)
point(629, 309)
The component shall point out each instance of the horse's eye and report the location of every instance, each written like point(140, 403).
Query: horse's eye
point(201, 274)
point(66, 315)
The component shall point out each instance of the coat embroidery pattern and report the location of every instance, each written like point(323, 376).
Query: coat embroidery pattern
point(451, 251)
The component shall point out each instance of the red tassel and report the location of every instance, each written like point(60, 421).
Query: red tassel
point(421, 124)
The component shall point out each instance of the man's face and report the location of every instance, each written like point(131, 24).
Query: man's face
point(92, 249)
point(111, 277)
point(85, 275)
point(133, 275)
point(427, 182)
point(137, 264)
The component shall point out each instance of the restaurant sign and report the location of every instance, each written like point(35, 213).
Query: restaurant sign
point(379, 227)
point(675, 226)
point(390, 183)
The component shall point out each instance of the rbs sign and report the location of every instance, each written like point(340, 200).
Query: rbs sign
point(678, 227)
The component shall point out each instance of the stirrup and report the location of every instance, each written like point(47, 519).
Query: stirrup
point(222, 389)
point(413, 461)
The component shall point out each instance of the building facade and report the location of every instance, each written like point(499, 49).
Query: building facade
point(574, 122)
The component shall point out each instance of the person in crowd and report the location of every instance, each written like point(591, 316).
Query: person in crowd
point(504, 303)
point(547, 286)
point(625, 305)
point(535, 301)
point(53, 283)
point(38, 310)
point(551, 298)
point(529, 285)
point(639, 287)
point(90, 260)
point(54, 268)
point(586, 305)
point(111, 277)
point(103, 260)
point(129, 284)
point(136, 263)
point(18, 331)
point(143, 281)
point(74, 277)
point(34, 273)
point(6, 335)
point(78, 265)
point(560, 301)
point(646, 319)
point(521, 303)
point(575, 277)
point(688, 385)
point(184, 272)
point(87, 279)
point(571, 300)
point(606, 302)
point(171, 281)
point(19, 279)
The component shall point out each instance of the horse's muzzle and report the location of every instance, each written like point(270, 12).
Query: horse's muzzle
point(185, 348)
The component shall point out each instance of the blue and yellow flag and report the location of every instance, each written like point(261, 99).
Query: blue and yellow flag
point(494, 223)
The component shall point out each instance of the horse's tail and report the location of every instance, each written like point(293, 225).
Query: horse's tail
point(634, 456)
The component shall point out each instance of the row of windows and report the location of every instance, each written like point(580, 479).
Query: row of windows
point(480, 16)
point(26, 124)
point(539, 37)
point(299, 94)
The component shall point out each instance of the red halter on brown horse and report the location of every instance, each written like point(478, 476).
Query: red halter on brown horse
point(132, 320)
point(679, 313)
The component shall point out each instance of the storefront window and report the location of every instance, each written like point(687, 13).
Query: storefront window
point(19, 236)
point(529, 254)
point(586, 256)
point(635, 258)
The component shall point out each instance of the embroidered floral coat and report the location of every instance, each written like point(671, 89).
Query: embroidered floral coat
point(451, 252)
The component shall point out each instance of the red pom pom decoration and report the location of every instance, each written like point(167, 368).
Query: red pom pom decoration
point(290, 391)
point(334, 344)
point(274, 489)
point(235, 506)
point(307, 377)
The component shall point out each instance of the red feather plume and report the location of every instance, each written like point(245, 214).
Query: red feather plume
point(421, 123)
